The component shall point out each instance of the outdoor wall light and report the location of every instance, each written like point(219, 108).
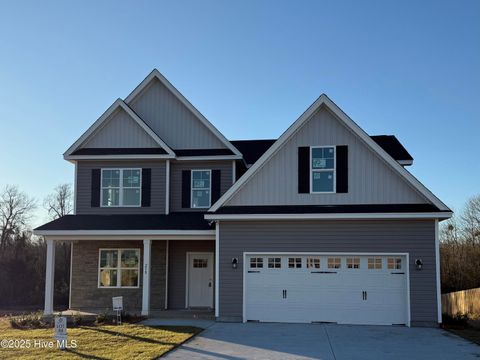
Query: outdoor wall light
point(419, 264)
point(234, 263)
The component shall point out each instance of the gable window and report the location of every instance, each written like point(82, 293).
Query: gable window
point(322, 165)
point(201, 188)
point(118, 268)
point(121, 187)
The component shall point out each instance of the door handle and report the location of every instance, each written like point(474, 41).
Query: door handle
point(364, 295)
point(284, 294)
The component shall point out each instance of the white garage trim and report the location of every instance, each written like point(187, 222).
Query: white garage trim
point(249, 253)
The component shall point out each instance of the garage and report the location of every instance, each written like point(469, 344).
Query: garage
point(318, 287)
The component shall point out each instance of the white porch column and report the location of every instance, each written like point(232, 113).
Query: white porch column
point(49, 278)
point(147, 247)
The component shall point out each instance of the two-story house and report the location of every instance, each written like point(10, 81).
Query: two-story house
point(324, 224)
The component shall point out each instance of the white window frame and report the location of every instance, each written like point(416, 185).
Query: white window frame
point(311, 261)
point(119, 268)
point(353, 258)
point(274, 263)
point(120, 199)
point(256, 262)
point(295, 258)
point(312, 170)
point(209, 189)
point(395, 263)
point(375, 258)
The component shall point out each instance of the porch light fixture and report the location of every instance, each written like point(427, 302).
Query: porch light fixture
point(419, 264)
point(234, 263)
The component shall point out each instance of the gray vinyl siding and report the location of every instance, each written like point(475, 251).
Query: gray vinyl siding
point(371, 180)
point(176, 169)
point(171, 120)
point(178, 265)
point(120, 131)
point(414, 237)
point(84, 187)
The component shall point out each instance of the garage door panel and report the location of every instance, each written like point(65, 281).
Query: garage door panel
point(371, 292)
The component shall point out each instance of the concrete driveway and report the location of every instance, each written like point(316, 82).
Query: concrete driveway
point(233, 341)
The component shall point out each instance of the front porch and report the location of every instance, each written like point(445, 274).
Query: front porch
point(170, 277)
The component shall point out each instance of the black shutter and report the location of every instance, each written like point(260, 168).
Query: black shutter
point(95, 189)
point(216, 174)
point(186, 187)
point(342, 169)
point(146, 187)
point(304, 170)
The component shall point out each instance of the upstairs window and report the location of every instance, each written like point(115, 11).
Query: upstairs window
point(201, 188)
point(322, 163)
point(121, 187)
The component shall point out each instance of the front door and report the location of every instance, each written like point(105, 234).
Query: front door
point(200, 280)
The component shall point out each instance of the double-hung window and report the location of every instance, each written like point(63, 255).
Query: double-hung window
point(118, 268)
point(322, 163)
point(201, 188)
point(121, 187)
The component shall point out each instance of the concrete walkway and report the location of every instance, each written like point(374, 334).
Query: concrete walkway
point(232, 341)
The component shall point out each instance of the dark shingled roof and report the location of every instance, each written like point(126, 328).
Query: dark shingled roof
point(252, 149)
point(328, 209)
point(202, 152)
point(392, 146)
point(173, 221)
point(120, 151)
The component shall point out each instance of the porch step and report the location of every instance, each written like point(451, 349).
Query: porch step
point(183, 314)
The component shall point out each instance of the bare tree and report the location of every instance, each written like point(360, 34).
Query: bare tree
point(471, 220)
point(60, 202)
point(16, 209)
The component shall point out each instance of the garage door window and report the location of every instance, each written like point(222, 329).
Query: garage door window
point(274, 263)
point(394, 263)
point(353, 263)
point(294, 263)
point(313, 263)
point(375, 263)
point(256, 263)
point(334, 263)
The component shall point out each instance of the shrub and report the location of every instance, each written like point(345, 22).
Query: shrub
point(29, 321)
point(101, 318)
point(456, 320)
point(76, 319)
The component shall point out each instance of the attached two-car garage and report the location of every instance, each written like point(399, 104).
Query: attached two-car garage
point(320, 287)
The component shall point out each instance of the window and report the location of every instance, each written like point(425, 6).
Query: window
point(334, 263)
point(313, 263)
point(323, 169)
point(118, 268)
point(294, 263)
point(201, 188)
point(121, 187)
point(274, 263)
point(375, 263)
point(353, 263)
point(200, 263)
point(256, 263)
point(394, 263)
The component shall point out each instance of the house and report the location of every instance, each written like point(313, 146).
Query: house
point(324, 224)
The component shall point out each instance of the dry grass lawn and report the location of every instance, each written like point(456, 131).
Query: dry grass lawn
point(129, 341)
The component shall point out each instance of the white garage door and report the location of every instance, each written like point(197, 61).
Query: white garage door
point(345, 289)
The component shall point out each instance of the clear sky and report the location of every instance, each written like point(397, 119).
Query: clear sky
point(409, 68)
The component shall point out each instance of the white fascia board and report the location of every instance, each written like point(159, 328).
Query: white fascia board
point(117, 157)
point(119, 103)
point(210, 157)
point(405, 162)
point(337, 216)
point(124, 232)
point(324, 100)
point(155, 74)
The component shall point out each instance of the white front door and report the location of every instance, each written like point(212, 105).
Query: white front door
point(199, 280)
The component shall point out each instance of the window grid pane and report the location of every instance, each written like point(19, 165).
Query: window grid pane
point(313, 263)
point(274, 263)
point(375, 263)
point(394, 263)
point(353, 263)
point(121, 187)
point(200, 189)
point(294, 263)
point(256, 263)
point(119, 268)
point(334, 263)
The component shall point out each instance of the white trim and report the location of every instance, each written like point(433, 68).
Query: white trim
point(75, 188)
point(147, 257)
point(209, 157)
point(209, 233)
point(156, 74)
point(209, 188)
point(71, 271)
point(120, 188)
point(234, 171)
point(119, 268)
point(405, 162)
point(340, 253)
point(324, 100)
point(437, 272)
point(167, 187)
point(333, 216)
point(217, 269)
point(324, 170)
point(91, 130)
point(118, 157)
point(49, 278)
point(167, 255)
point(187, 271)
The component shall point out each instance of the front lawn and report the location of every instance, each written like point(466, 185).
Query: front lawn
point(127, 341)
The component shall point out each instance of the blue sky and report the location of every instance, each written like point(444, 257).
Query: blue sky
point(409, 68)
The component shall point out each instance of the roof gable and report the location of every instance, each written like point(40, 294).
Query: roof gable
point(416, 191)
point(173, 117)
point(119, 127)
